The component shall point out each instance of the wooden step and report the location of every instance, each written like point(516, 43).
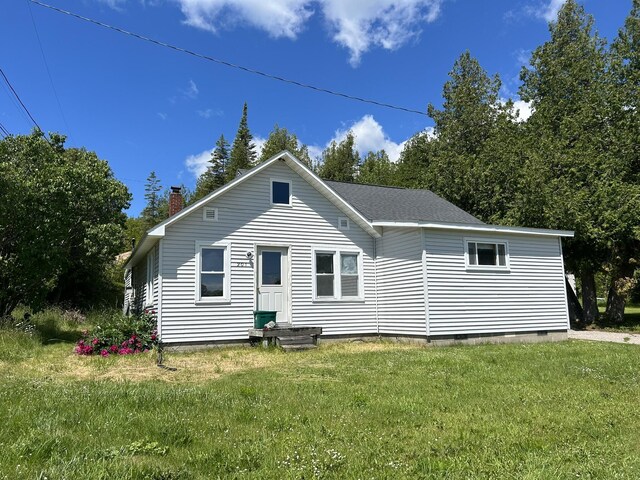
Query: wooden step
point(295, 340)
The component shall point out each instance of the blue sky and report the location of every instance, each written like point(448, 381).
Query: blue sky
point(143, 107)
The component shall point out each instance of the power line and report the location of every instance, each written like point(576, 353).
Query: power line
point(46, 64)
point(19, 100)
point(229, 64)
point(3, 131)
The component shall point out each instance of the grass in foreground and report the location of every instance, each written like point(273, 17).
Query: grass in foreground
point(375, 410)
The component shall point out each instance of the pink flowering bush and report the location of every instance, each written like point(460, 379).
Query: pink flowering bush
point(120, 335)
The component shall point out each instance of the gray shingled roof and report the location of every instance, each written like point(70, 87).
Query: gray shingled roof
point(400, 204)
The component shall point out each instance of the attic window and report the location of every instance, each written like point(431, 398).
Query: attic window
point(280, 192)
point(343, 223)
point(210, 214)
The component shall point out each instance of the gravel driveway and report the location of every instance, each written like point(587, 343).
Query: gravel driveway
point(602, 336)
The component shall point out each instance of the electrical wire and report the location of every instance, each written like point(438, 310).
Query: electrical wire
point(20, 100)
point(46, 64)
point(229, 64)
point(3, 131)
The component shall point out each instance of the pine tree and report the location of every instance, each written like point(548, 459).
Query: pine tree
point(151, 212)
point(214, 176)
point(243, 153)
point(340, 160)
point(624, 100)
point(572, 179)
point(280, 139)
point(376, 169)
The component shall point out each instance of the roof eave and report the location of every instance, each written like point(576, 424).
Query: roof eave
point(478, 228)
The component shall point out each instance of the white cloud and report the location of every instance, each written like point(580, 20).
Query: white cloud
point(115, 4)
point(357, 25)
point(279, 18)
point(163, 116)
point(197, 164)
point(370, 137)
point(191, 91)
point(259, 142)
point(547, 10)
point(524, 109)
point(209, 112)
point(362, 24)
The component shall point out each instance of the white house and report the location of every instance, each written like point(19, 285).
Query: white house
point(356, 260)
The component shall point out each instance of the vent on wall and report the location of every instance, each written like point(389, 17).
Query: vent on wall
point(210, 214)
point(343, 223)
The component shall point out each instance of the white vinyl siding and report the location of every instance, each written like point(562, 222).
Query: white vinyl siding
point(247, 219)
point(527, 297)
point(401, 302)
point(145, 291)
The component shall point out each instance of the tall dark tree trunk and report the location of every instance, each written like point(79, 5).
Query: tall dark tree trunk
point(589, 298)
point(622, 282)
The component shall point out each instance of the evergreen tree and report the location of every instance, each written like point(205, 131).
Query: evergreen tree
point(214, 176)
point(376, 169)
point(573, 177)
point(280, 139)
point(151, 212)
point(339, 160)
point(243, 153)
point(625, 127)
point(469, 160)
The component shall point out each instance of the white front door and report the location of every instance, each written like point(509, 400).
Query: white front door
point(273, 281)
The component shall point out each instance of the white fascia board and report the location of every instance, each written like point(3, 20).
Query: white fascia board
point(146, 243)
point(478, 228)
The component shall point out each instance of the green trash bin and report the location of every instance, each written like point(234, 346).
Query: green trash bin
point(262, 317)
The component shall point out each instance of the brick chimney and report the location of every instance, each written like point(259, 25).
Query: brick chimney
point(175, 200)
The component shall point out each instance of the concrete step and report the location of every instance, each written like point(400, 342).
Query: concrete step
point(295, 348)
point(295, 340)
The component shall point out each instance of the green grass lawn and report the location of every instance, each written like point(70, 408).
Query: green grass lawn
point(631, 322)
point(374, 410)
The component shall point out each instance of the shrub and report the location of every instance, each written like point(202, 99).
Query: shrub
point(117, 334)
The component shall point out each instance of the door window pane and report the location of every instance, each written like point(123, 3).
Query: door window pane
point(280, 193)
point(271, 268)
point(212, 260)
point(211, 285)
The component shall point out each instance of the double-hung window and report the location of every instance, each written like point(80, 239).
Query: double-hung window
point(337, 274)
point(212, 283)
point(483, 254)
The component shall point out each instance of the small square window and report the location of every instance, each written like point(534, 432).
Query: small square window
point(280, 192)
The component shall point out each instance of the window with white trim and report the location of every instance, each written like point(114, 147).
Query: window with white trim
point(212, 284)
point(487, 254)
point(149, 286)
point(280, 192)
point(343, 223)
point(337, 274)
point(210, 214)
